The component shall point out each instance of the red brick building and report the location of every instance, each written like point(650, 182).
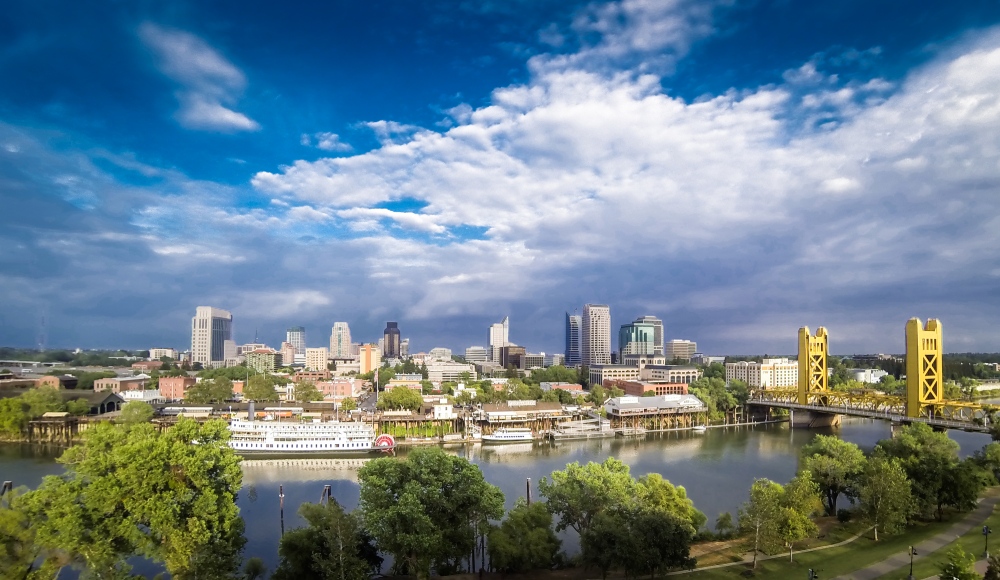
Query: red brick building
point(175, 388)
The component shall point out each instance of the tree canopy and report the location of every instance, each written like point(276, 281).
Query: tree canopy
point(260, 388)
point(400, 398)
point(835, 466)
point(524, 540)
point(331, 546)
point(884, 497)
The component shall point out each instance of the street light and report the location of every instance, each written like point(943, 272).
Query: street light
point(986, 536)
point(913, 552)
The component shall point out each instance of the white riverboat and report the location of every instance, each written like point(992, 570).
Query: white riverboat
point(582, 429)
point(509, 435)
point(286, 437)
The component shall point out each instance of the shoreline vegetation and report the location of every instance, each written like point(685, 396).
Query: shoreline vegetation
point(435, 513)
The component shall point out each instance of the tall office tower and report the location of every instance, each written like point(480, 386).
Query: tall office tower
point(595, 335)
point(316, 358)
point(390, 337)
point(657, 331)
point(210, 329)
point(369, 357)
point(636, 338)
point(475, 354)
point(296, 335)
point(573, 322)
point(680, 349)
point(404, 348)
point(498, 337)
point(340, 341)
point(287, 354)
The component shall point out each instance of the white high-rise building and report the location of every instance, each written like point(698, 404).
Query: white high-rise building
point(498, 336)
point(340, 341)
point(595, 335)
point(296, 335)
point(767, 374)
point(678, 349)
point(316, 358)
point(404, 348)
point(210, 329)
point(475, 354)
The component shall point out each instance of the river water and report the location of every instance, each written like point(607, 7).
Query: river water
point(716, 467)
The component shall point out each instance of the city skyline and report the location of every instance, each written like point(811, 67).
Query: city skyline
point(736, 169)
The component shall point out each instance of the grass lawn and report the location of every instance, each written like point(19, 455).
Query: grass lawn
point(837, 561)
point(971, 542)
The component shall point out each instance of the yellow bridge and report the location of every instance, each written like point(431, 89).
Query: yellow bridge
point(923, 401)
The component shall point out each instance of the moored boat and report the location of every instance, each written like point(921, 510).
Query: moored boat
point(280, 437)
point(509, 435)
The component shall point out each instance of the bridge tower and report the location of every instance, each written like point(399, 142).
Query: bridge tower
point(924, 376)
point(813, 379)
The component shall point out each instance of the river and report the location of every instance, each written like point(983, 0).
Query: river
point(716, 468)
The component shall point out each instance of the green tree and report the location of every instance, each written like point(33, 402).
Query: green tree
point(988, 458)
point(960, 565)
point(331, 546)
point(926, 456)
point(800, 500)
point(654, 492)
point(637, 541)
point(254, 569)
point(597, 395)
point(524, 540)
point(260, 388)
point(993, 568)
point(777, 516)
point(605, 542)
point(578, 493)
point(135, 412)
point(427, 509)
point(18, 549)
point(207, 391)
point(13, 417)
point(306, 391)
point(78, 407)
point(400, 398)
point(130, 490)
point(348, 404)
point(42, 400)
point(884, 497)
point(724, 525)
point(835, 465)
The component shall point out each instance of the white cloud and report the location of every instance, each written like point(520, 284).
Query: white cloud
point(326, 141)
point(210, 84)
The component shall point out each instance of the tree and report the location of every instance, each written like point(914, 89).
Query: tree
point(18, 549)
point(926, 456)
point(78, 407)
point(993, 568)
point(427, 509)
point(835, 465)
point(214, 390)
point(884, 495)
point(578, 493)
point(960, 565)
point(724, 526)
point(638, 541)
point(604, 542)
point(800, 500)
point(260, 388)
point(348, 404)
point(135, 412)
point(130, 490)
point(400, 398)
point(524, 540)
point(254, 569)
point(778, 516)
point(654, 492)
point(961, 485)
point(306, 391)
point(13, 417)
point(332, 546)
point(597, 395)
point(42, 400)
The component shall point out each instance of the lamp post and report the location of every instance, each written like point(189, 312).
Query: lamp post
point(986, 543)
point(913, 552)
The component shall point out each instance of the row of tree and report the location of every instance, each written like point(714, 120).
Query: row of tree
point(15, 412)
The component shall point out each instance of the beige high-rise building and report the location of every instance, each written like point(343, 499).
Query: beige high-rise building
point(316, 358)
point(595, 335)
point(498, 337)
point(287, 354)
point(340, 341)
point(210, 329)
point(680, 349)
point(370, 358)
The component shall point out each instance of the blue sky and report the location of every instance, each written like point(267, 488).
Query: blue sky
point(739, 169)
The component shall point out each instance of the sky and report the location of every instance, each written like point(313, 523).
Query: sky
point(739, 169)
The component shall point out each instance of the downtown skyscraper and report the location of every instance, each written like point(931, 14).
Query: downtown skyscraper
point(573, 357)
point(595, 335)
point(296, 336)
point(211, 329)
point(340, 341)
point(498, 337)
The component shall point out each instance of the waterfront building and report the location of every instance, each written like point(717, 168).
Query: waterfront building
point(642, 409)
point(370, 358)
point(296, 335)
point(175, 388)
point(637, 338)
point(287, 354)
point(657, 325)
point(767, 374)
point(316, 358)
point(599, 374)
point(210, 329)
point(670, 373)
point(870, 376)
point(517, 411)
point(390, 340)
point(442, 371)
point(678, 349)
point(340, 341)
point(498, 337)
point(640, 388)
point(475, 354)
point(158, 353)
point(573, 324)
point(121, 384)
point(595, 335)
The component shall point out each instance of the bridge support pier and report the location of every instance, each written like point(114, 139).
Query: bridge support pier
point(799, 419)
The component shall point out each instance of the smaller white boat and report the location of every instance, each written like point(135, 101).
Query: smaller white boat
point(699, 428)
point(509, 435)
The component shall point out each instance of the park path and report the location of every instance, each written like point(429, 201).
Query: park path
point(973, 519)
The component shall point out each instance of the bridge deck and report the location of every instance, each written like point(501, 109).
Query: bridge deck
point(874, 414)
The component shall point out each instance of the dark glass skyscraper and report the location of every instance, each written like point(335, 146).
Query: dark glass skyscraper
point(573, 322)
point(390, 340)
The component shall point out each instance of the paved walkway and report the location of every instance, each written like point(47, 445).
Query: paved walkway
point(973, 519)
